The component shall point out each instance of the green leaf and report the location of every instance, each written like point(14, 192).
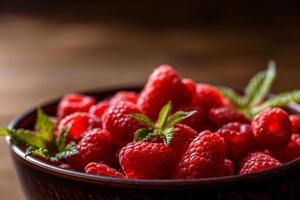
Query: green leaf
point(265, 87)
point(279, 100)
point(168, 135)
point(178, 117)
point(44, 126)
point(70, 150)
point(232, 96)
point(24, 137)
point(253, 86)
point(144, 120)
point(61, 142)
point(40, 152)
point(164, 114)
point(141, 134)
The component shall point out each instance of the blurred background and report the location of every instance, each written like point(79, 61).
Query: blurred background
point(48, 48)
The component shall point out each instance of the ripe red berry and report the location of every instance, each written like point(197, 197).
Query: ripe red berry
point(272, 128)
point(289, 152)
point(124, 96)
point(74, 102)
point(99, 109)
point(118, 120)
point(163, 85)
point(197, 121)
point(225, 115)
point(204, 157)
point(256, 162)
point(295, 120)
point(207, 97)
point(79, 123)
point(144, 160)
point(228, 168)
point(102, 170)
point(97, 145)
point(239, 139)
point(190, 84)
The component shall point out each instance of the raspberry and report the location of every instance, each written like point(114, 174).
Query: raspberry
point(228, 169)
point(144, 160)
point(204, 157)
point(239, 139)
point(102, 170)
point(99, 109)
point(74, 102)
point(289, 152)
point(295, 120)
point(190, 84)
point(256, 162)
point(163, 85)
point(272, 128)
point(118, 120)
point(79, 123)
point(97, 145)
point(207, 97)
point(124, 96)
point(197, 120)
point(225, 115)
point(183, 136)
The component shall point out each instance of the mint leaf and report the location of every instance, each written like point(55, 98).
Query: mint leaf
point(44, 126)
point(68, 151)
point(141, 134)
point(61, 141)
point(40, 152)
point(279, 100)
point(168, 135)
point(178, 117)
point(23, 137)
point(163, 114)
point(253, 86)
point(232, 96)
point(144, 120)
point(266, 85)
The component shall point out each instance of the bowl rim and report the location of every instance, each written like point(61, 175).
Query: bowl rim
point(214, 182)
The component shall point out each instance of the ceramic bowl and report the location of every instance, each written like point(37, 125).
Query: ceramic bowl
point(43, 181)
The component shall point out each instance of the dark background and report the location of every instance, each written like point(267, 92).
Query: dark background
point(48, 48)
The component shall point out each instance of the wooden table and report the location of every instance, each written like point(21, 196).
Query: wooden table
point(40, 60)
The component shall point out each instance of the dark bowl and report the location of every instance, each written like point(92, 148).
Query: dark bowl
point(42, 181)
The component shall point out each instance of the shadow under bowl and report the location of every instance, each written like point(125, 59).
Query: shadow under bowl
point(42, 181)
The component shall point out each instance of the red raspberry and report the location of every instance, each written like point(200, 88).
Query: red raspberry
point(79, 123)
point(190, 84)
point(272, 128)
point(99, 109)
point(102, 170)
point(239, 139)
point(289, 152)
point(225, 115)
point(228, 168)
point(163, 85)
point(207, 97)
point(118, 120)
point(295, 120)
point(204, 157)
point(124, 96)
point(256, 162)
point(197, 120)
point(182, 137)
point(97, 145)
point(74, 102)
point(144, 160)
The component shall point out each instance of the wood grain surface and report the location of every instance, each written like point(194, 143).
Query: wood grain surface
point(41, 59)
